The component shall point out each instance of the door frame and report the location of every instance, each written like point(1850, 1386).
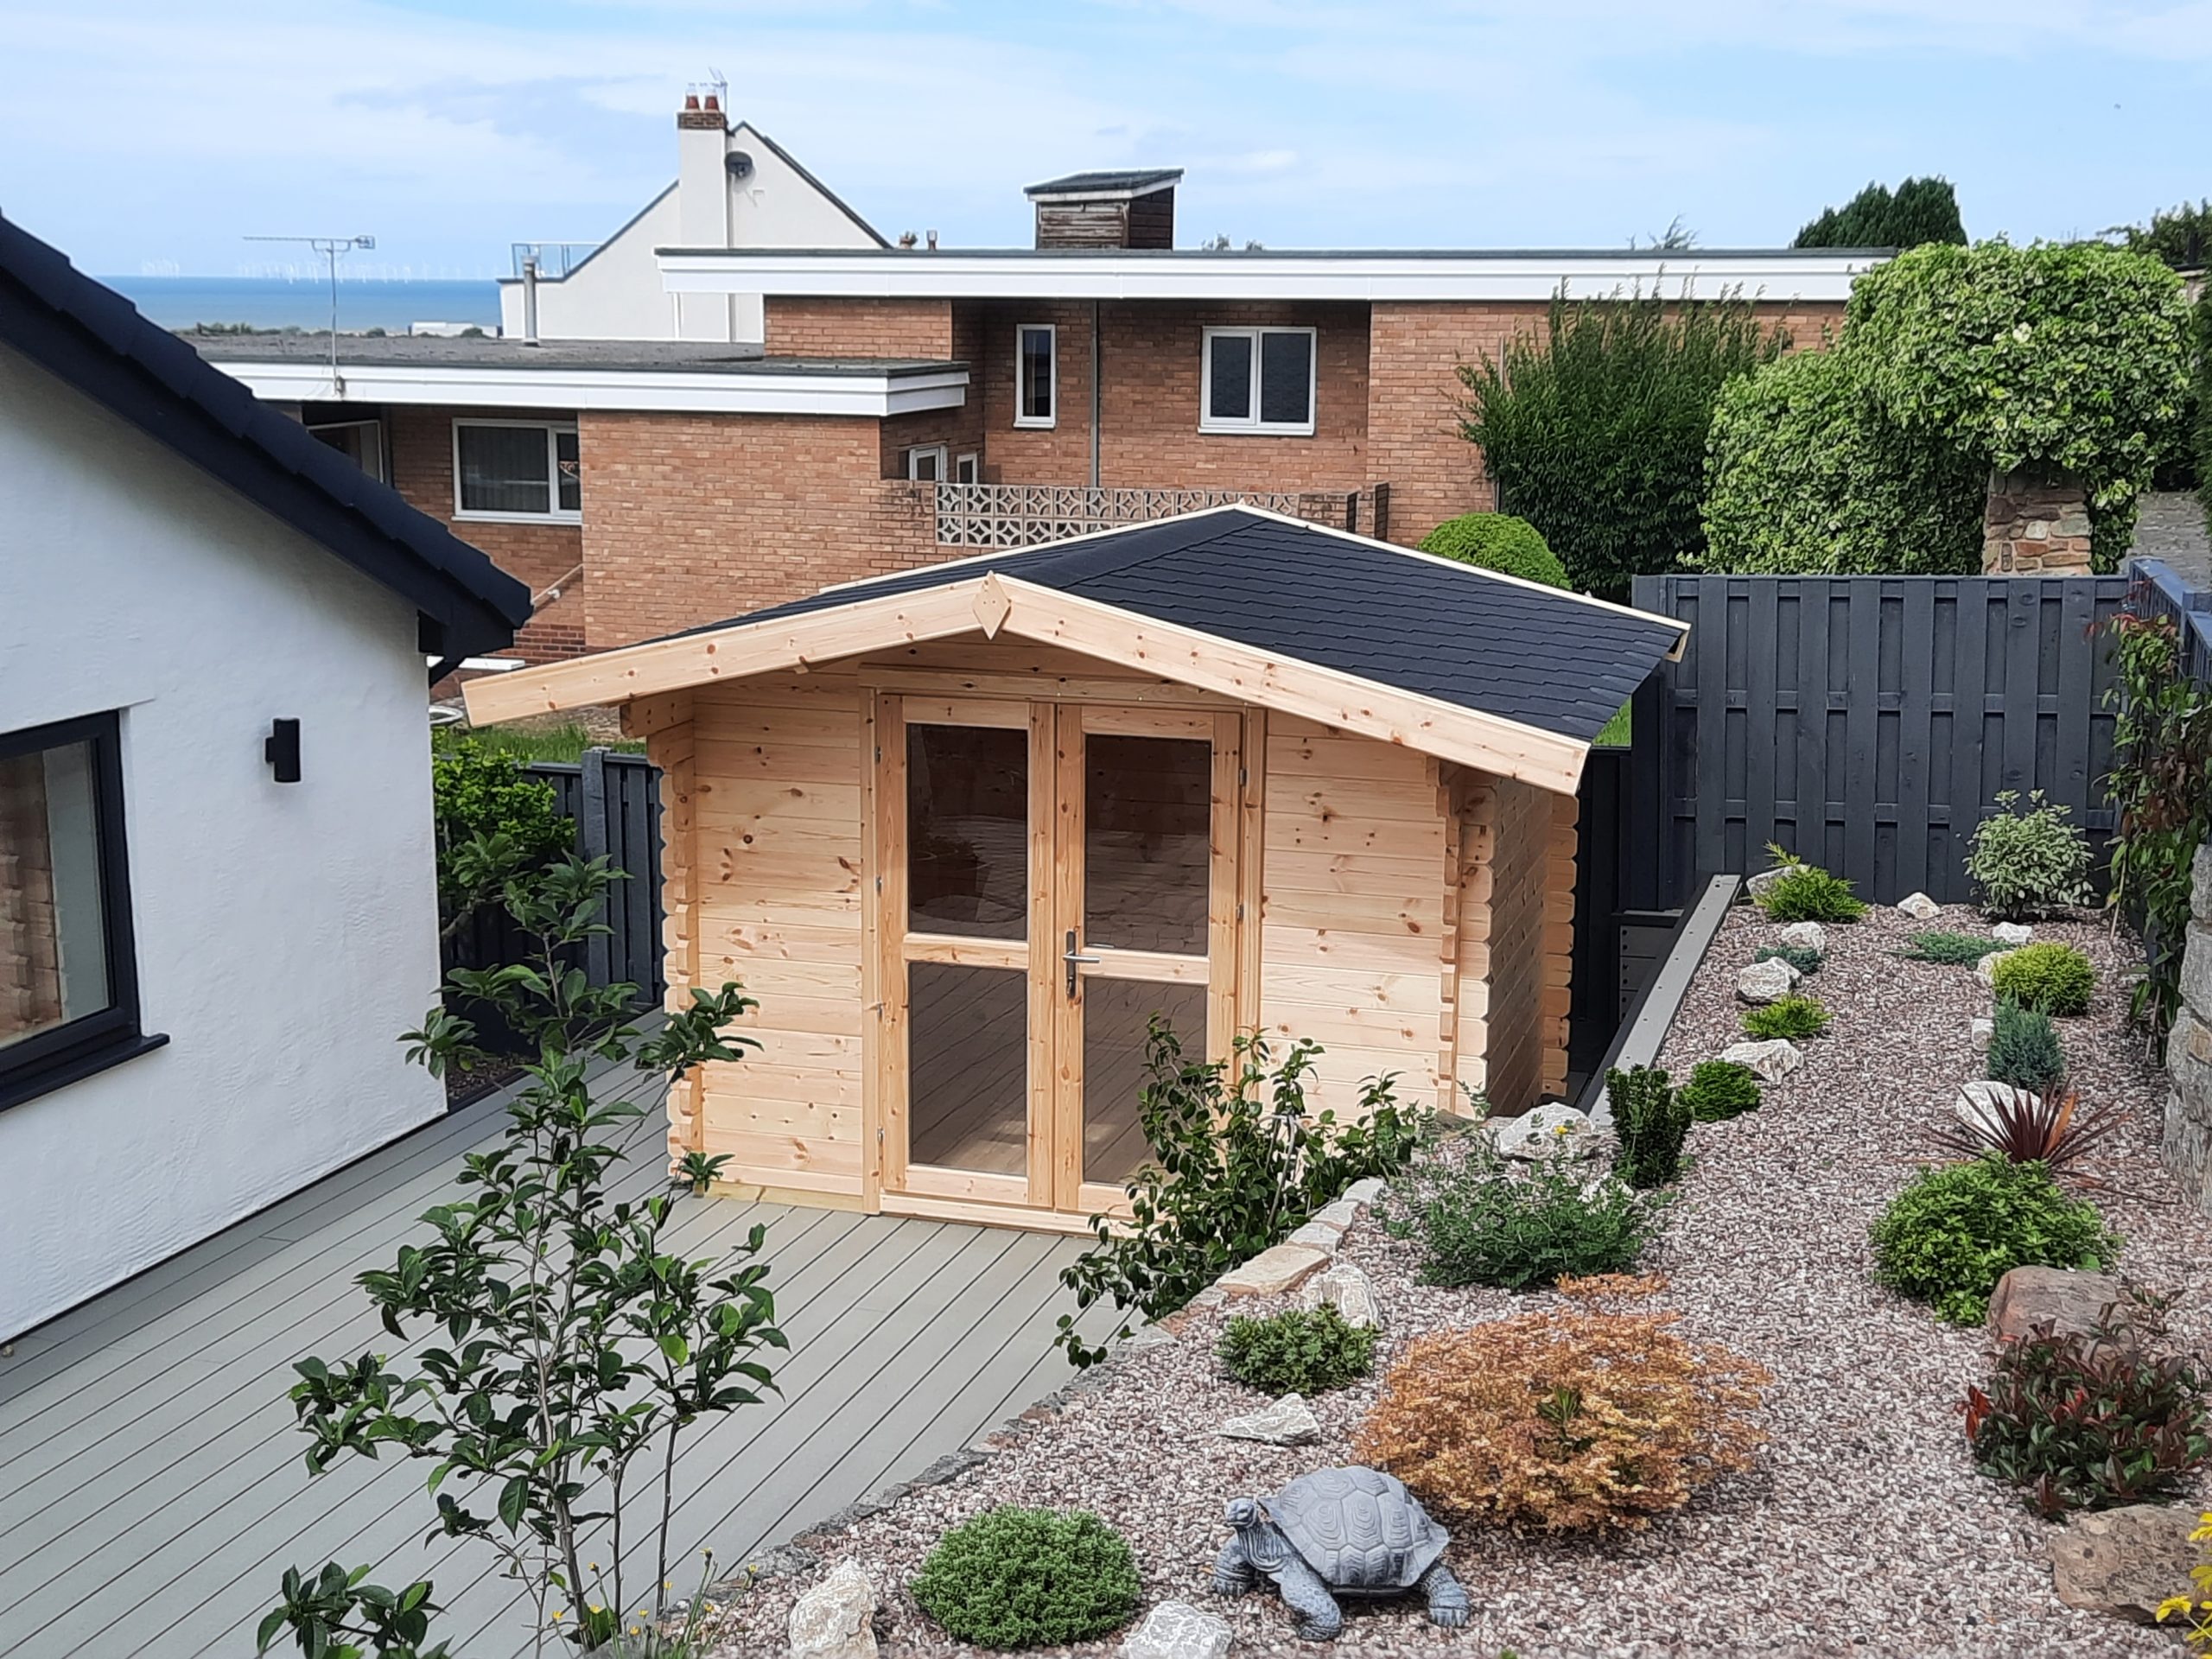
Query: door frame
point(1052, 1195)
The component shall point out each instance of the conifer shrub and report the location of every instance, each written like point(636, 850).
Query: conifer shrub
point(1720, 1089)
point(1949, 1237)
point(1022, 1577)
point(1803, 957)
point(1300, 1350)
point(2051, 977)
point(1806, 892)
point(2024, 1048)
point(1794, 1017)
point(1481, 1222)
point(1953, 950)
point(1649, 1124)
point(1498, 541)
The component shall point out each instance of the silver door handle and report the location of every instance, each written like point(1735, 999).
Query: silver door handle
point(1074, 959)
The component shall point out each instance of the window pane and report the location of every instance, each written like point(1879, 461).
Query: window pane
point(1116, 1014)
point(968, 831)
point(1286, 379)
point(1147, 822)
point(571, 476)
point(359, 442)
point(1229, 397)
point(503, 469)
point(53, 929)
point(922, 465)
point(1037, 374)
point(968, 1068)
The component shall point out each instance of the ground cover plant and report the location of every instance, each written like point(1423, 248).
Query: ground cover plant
point(2090, 1421)
point(1950, 1236)
point(1498, 541)
point(1585, 1419)
point(1022, 1577)
point(2047, 1126)
point(1792, 1017)
point(1803, 957)
point(1718, 1090)
point(2050, 977)
point(1954, 950)
point(1483, 1221)
point(1301, 1351)
point(1238, 1164)
point(2028, 861)
point(1650, 1121)
point(1806, 892)
point(2024, 1048)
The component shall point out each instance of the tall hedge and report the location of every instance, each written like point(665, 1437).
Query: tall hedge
point(1804, 477)
point(1594, 430)
point(1921, 209)
point(2204, 405)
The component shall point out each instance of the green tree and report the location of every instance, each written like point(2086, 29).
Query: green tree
point(1496, 541)
point(2178, 237)
point(1593, 429)
point(1921, 210)
point(492, 820)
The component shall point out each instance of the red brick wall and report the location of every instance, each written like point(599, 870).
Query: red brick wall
point(421, 445)
point(31, 965)
point(839, 328)
point(691, 519)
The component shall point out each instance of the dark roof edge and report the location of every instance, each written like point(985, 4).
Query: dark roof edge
point(828, 194)
point(1262, 256)
point(605, 243)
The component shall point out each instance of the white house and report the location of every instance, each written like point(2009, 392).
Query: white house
point(217, 904)
point(735, 188)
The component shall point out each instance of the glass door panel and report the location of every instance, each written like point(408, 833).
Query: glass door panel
point(1147, 827)
point(968, 1067)
point(968, 831)
point(1118, 1015)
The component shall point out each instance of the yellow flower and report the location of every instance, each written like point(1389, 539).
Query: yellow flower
point(2171, 1605)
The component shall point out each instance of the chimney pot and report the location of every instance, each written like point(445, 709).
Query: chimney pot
point(932, 241)
point(712, 102)
point(690, 100)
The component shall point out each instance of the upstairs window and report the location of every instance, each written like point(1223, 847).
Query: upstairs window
point(525, 470)
point(1257, 380)
point(359, 442)
point(926, 463)
point(1036, 386)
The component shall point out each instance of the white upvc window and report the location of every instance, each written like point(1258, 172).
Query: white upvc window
point(518, 472)
point(968, 468)
point(360, 441)
point(926, 463)
point(1257, 380)
point(1036, 374)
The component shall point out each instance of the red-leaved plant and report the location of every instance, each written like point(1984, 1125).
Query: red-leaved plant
point(2052, 1128)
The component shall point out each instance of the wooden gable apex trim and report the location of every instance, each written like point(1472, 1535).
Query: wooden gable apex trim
point(997, 604)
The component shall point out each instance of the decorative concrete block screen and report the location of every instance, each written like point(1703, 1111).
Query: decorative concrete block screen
point(1864, 722)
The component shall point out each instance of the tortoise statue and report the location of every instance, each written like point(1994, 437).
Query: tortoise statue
point(1339, 1532)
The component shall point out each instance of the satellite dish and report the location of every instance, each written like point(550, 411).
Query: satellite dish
point(739, 164)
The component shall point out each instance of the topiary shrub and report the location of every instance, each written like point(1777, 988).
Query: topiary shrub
point(1498, 541)
point(1792, 1017)
point(1806, 892)
point(1921, 209)
point(2028, 862)
point(1721, 1089)
point(1953, 950)
point(1567, 1420)
point(1301, 1351)
point(1802, 957)
point(1650, 1123)
point(2050, 977)
point(1947, 1238)
point(1484, 1223)
point(2024, 1048)
point(1016, 1577)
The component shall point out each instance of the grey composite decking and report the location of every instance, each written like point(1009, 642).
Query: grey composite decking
point(152, 1489)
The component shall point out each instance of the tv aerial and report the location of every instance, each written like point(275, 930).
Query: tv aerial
point(333, 249)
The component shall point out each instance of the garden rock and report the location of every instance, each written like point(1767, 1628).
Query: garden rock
point(1985, 969)
point(1147, 1337)
point(2012, 933)
point(1370, 1191)
point(1756, 885)
point(1766, 981)
point(1981, 1029)
point(1288, 1422)
point(1274, 1271)
point(1806, 935)
point(1770, 1061)
point(1545, 1131)
point(1318, 1235)
point(1919, 906)
point(1339, 1215)
point(1175, 1630)
point(2125, 1561)
point(2070, 1300)
point(1350, 1292)
point(831, 1620)
point(1978, 1100)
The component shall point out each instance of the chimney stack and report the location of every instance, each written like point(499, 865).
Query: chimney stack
point(1131, 209)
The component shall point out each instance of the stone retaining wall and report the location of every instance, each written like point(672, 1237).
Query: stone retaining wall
point(2189, 1049)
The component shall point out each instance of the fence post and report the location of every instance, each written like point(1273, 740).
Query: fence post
point(593, 842)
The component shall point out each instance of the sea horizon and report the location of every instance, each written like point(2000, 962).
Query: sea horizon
point(279, 302)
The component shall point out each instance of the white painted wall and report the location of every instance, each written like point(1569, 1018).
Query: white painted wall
point(618, 295)
point(286, 932)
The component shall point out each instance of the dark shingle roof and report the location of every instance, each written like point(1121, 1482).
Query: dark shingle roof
point(1534, 655)
point(93, 339)
point(1135, 181)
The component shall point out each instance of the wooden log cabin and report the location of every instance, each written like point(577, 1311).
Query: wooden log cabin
point(964, 829)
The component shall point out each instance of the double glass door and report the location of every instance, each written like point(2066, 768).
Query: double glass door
point(1058, 876)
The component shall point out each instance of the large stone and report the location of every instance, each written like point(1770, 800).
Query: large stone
point(1274, 1271)
point(2188, 1140)
point(1368, 1191)
point(1288, 1422)
point(2069, 1301)
point(1545, 1131)
point(2012, 935)
point(1344, 1287)
point(1756, 885)
point(2200, 889)
point(1770, 1061)
point(1175, 1630)
point(1766, 981)
point(831, 1619)
point(1982, 1099)
point(1318, 1235)
point(1339, 1215)
point(1919, 906)
point(2197, 970)
point(1985, 969)
point(2125, 1561)
point(1806, 935)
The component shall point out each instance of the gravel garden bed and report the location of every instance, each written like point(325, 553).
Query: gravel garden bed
point(1864, 1529)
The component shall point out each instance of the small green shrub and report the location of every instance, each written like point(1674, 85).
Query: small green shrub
point(1484, 1223)
point(1498, 541)
point(2028, 861)
point(2051, 977)
point(1806, 892)
point(1953, 950)
point(1947, 1238)
point(491, 820)
point(1793, 1017)
point(1018, 1578)
point(2024, 1048)
point(1721, 1089)
point(1650, 1123)
point(1303, 1351)
point(1802, 957)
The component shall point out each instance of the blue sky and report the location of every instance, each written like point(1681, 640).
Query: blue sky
point(146, 135)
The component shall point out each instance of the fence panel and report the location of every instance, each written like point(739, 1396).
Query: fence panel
point(1865, 722)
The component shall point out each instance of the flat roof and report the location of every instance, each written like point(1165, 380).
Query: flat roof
point(504, 352)
point(1109, 181)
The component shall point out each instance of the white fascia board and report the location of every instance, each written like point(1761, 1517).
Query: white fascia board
point(1232, 276)
point(873, 395)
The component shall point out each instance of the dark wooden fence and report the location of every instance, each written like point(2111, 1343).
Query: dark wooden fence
point(1864, 722)
point(2158, 589)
